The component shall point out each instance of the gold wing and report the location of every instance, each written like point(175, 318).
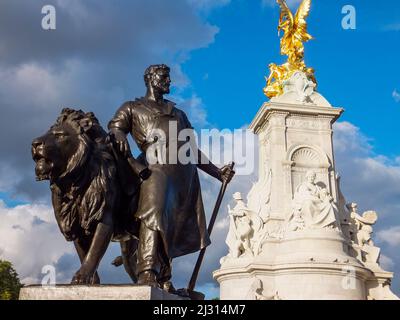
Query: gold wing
point(286, 20)
point(300, 21)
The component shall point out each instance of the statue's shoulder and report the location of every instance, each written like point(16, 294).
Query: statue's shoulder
point(171, 102)
point(137, 103)
point(133, 106)
point(180, 114)
point(172, 106)
point(175, 109)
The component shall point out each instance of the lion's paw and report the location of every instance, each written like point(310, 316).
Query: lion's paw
point(83, 277)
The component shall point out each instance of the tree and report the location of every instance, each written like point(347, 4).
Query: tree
point(9, 281)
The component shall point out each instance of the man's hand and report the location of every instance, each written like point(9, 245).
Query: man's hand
point(226, 174)
point(121, 142)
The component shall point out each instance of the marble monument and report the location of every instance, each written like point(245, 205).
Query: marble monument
point(295, 236)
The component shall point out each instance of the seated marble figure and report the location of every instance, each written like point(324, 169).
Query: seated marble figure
point(313, 206)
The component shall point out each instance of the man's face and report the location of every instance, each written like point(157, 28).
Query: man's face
point(311, 178)
point(161, 81)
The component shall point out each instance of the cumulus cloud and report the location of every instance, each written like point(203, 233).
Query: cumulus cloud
point(84, 64)
point(370, 179)
point(30, 239)
point(390, 236)
point(360, 170)
point(194, 108)
point(183, 266)
point(373, 181)
point(100, 30)
point(94, 60)
point(386, 263)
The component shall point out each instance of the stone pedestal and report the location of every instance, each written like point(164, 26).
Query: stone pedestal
point(95, 292)
point(302, 265)
point(295, 237)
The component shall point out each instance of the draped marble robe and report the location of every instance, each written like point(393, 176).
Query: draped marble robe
point(314, 202)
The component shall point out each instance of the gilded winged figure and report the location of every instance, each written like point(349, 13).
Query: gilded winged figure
point(295, 30)
point(295, 34)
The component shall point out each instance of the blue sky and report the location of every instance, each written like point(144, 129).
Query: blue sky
point(356, 69)
point(10, 200)
point(219, 51)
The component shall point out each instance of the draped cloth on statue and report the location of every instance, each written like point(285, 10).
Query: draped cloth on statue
point(316, 205)
point(170, 200)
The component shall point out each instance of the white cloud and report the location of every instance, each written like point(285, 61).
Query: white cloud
point(210, 187)
point(349, 139)
point(58, 252)
point(390, 236)
point(30, 239)
point(97, 71)
point(369, 179)
point(195, 109)
point(366, 178)
point(183, 266)
point(386, 263)
point(86, 66)
point(373, 181)
point(396, 95)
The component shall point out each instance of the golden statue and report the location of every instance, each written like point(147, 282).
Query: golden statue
point(292, 45)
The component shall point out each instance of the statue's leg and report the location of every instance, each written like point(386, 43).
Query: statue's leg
point(148, 265)
point(164, 277)
point(82, 246)
point(129, 257)
point(98, 247)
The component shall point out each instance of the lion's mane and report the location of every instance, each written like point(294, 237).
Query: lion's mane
point(87, 188)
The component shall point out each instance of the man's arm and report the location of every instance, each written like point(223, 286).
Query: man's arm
point(204, 164)
point(223, 174)
point(121, 141)
point(119, 126)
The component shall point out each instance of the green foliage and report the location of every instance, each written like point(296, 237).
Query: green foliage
point(9, 281)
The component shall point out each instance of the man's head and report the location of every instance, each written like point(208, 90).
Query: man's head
point(157, 77)
point(311, 176)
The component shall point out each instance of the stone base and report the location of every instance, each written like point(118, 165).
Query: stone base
point(95, 292)
point(302, 281)
point(304, 265)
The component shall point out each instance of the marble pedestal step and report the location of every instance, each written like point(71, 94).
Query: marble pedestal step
point(95, 292)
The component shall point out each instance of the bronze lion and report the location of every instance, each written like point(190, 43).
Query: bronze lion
point(91, 203)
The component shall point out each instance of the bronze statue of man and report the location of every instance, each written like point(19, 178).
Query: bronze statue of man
point(170, 207)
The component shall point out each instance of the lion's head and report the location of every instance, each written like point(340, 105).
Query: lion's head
point(65, 147)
